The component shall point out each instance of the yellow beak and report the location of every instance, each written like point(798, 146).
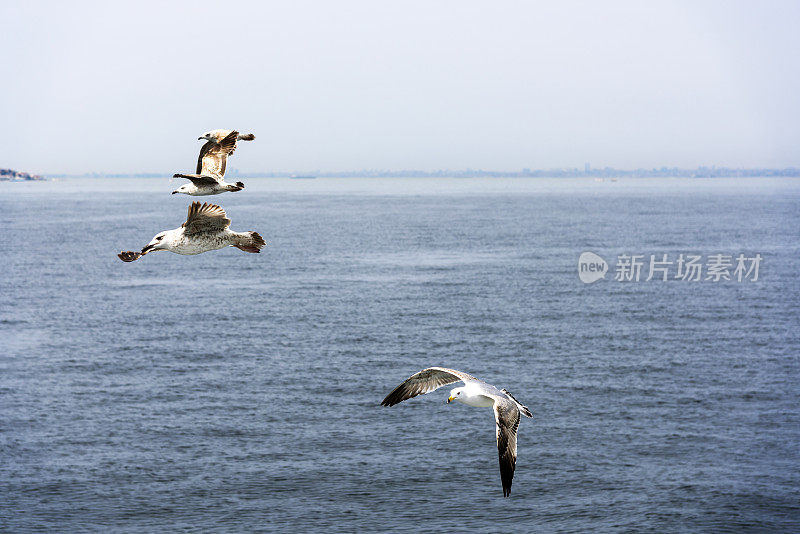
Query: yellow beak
point(450, 399)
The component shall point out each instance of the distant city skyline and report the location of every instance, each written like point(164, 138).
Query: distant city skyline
point(127, 88)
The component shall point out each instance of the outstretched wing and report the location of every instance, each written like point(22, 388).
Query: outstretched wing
point(129, 255)
point(506, 415)
point(423, 382)
point(213, 156)
point(205, 218)
point(198, 179)
point(203, 151)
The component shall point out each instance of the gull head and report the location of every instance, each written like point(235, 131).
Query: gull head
point(455, 394)
point(185, 189)
point(159, 242)
point(208, 136)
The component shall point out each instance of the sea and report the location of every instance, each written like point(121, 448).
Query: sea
point(236, 392)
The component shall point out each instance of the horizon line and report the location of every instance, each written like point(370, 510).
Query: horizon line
point(525, 172)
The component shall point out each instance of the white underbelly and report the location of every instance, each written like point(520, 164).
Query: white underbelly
point(478, 401)
point(192, 247)
point(207, 191)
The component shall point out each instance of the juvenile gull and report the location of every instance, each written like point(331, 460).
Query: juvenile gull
point(474, 392)
point(224, 140)
point(206, 228)
point(211, 164)
point(215, 136)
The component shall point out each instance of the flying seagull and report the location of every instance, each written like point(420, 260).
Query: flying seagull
point(211, 164)
point(206, 228)
point(216, 136)
point(474, 392)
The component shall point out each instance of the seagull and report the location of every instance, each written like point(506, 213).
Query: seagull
point(206, 228)
point(474, 392)
point(215, 136)
point(211, 164)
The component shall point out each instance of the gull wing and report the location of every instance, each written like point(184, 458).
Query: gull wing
point(129, 255)
point(213, 156)
point(425, 381)
point(198, 179)
point(506, 415)
point(205, 218)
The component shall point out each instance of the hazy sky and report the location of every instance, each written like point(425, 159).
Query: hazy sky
point(113, 87)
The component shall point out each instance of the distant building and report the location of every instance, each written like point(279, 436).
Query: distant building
point(587, 168)
point(10, 175)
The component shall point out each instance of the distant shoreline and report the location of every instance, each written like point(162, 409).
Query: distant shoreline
point(607, 172)
point(10, 175)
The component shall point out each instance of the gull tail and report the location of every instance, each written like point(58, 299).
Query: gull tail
point(246, 137)
point(522, 408)
point(250, 242)
point(238, 186)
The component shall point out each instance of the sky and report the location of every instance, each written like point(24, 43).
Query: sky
point(128, 87)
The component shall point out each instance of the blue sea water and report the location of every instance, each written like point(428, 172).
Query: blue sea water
point(240, 392)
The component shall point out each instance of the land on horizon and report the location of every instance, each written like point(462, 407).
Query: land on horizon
point(9, 175)
point(587, 171)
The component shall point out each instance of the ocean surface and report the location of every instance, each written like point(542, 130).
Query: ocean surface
point(241, 392)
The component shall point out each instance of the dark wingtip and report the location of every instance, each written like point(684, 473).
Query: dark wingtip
point(128, 256)
point(507, 479)
point(390, 399)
